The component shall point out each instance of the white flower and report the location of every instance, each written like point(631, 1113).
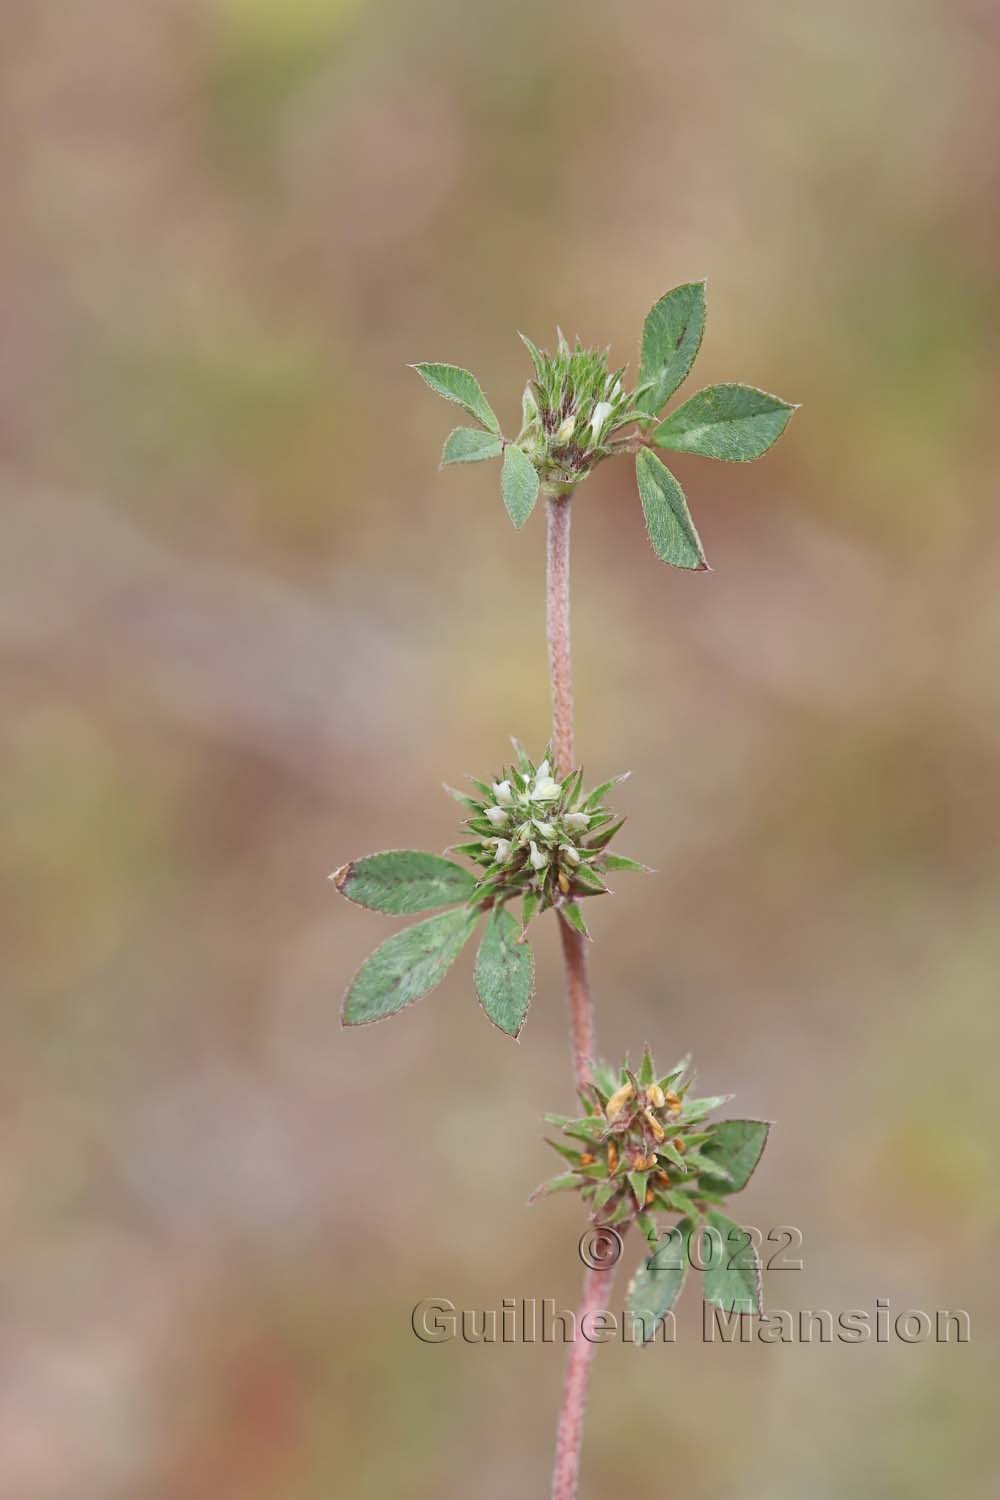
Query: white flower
point(544, 791)
point(565, 429)
point(538, 859)
point(543, 772)
point(547, 830)
point(602, 412)
point(572, 857)
point(502, 793)
point(497, 817)
point(503, 851)
point(577, 822)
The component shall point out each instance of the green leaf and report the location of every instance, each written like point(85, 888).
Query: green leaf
point(518, 484)
point(567, 1151)
point(505, 972)
point(733, 1280)
point(607, 833)
point(464, 389)
point(407, 966)
point(588, 1128)
point(671, 338)
point(734, 422)
point(668, 521)
point(467, 445)
point(594, 797)
point(737, 1146)
point(536, 356)
point(622, 862)
point(697, 1109)
point(648, 1227)
point(637, 1182)
point(572, 914)
point(657, 1284)
point(669, 1150)
point(560, 1184)
point(401, 881)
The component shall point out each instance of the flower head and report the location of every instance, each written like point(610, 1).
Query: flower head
point(646, 1146)
point(541, 838)
point(576, 404)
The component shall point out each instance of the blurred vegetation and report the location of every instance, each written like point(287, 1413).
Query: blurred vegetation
point(247, 629)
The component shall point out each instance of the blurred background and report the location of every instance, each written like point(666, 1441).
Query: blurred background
point(247, 628)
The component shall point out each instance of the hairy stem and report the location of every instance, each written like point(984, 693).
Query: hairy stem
point(581, 1014)
point(569, 1435)
point(560, 664)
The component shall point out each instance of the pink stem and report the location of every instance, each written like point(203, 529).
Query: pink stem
point(569, 1435)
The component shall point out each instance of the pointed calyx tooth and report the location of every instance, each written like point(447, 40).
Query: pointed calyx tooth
point(618, 1101)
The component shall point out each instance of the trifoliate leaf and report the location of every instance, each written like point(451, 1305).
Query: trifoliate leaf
point(733, 1280)
point(505, 972)
point(518, 484)
point(402, 881)
point(668, 521)
point(407, 966)
point(467, 445)
point(733, 422)
point(736, 1146)
point(457, 385)
point(671, 337)
point(657, 1284)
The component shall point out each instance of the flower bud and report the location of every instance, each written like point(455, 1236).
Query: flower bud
point(503, 851)
point(545, 789)
point(565, 429)
point(502, 793)
point(655, 1096)
point(602, 412)
point(497, 817)
point(570, 854)
point(618, 1101)
point(547, 830)
point(539, 859)
point(577, 822)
